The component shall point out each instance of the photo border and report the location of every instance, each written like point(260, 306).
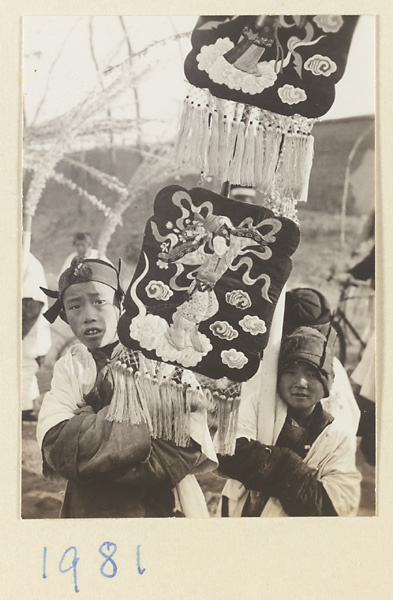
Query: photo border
point(185, 558)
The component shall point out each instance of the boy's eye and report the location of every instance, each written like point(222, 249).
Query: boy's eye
point(73, 307)
point(99, 302)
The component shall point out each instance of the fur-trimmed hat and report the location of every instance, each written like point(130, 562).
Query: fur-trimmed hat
point(308, 345)
point(306, 307)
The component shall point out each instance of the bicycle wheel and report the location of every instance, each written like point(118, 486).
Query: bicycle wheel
point(340, 346)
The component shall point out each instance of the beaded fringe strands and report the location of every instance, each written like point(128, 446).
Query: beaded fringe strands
point(223, 401)
point(154, 393)
point(127, 405)
point(247, 146)
point(146, 391)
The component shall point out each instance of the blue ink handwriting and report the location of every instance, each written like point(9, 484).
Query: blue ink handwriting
point(108, 568)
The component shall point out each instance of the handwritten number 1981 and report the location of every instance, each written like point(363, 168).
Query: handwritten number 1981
point(70, 559)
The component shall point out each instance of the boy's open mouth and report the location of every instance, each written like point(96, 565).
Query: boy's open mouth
point(92, 331)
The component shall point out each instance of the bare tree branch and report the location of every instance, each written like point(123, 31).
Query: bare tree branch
point(135, 88)
point(344, 198)
point(175, 31)
point(43, 152)
point(147, 49)
point(100, 79)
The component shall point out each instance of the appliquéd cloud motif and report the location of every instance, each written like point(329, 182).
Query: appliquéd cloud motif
point(223, 330)
point(320, 65)
point(158, 290)
point(253, 325)
point(329, 23)
point(211, 59)
point(291, 95)
point(234, 358)
point(239, 299)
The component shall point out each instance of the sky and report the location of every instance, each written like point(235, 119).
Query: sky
point(162, 90)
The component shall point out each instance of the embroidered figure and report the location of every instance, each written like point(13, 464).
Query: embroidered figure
point(183, 304)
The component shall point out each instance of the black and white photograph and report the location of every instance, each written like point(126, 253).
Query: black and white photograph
point(198, 267)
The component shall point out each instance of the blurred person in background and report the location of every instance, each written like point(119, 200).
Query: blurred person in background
point(36, 339)
point(83, 245)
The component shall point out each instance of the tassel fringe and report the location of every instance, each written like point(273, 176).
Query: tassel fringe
point(228, 412)
point(223, 400)
point(139, 398)
point(247, 146)
point(141, 394)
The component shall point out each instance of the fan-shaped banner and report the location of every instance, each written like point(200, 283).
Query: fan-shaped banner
point(258, 83)
point(207, 282)
point(288, 64)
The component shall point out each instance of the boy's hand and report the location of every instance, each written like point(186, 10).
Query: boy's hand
point(84, 409)
point(102, 392)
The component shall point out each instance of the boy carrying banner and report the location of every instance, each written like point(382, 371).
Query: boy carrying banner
point(113, 466)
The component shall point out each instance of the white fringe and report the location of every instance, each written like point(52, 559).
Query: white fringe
point(227, 415)
point(246, 146)
point(165, 405)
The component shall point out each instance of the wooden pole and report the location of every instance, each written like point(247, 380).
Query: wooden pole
point(225, 189)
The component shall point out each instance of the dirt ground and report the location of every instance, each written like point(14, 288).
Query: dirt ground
point(42, 499)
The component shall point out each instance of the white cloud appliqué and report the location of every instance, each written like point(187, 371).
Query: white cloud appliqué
point(233, 358)
point(239, 299)
point(320, 65)
point(151, 331)
point(291, 95)
point(158, 290)
point(329, 23)
point(211, 60)
point(253, 325)
point(223, 330)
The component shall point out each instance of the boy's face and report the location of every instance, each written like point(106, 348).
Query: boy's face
point(92, 313)
point(82, 247)
point(300, 387)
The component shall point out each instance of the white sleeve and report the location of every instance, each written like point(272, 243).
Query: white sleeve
point(73, 376)
point(333, 457)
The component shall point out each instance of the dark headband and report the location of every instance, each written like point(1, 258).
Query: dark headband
point(80, 271)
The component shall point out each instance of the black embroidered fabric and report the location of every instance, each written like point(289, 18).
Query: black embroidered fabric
point(195, 307)
point(309, 53)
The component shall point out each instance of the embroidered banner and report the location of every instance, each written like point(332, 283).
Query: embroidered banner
point(288, 64)
point(207, 282)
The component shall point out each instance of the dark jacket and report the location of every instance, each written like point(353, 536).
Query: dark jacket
point(279, 470)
